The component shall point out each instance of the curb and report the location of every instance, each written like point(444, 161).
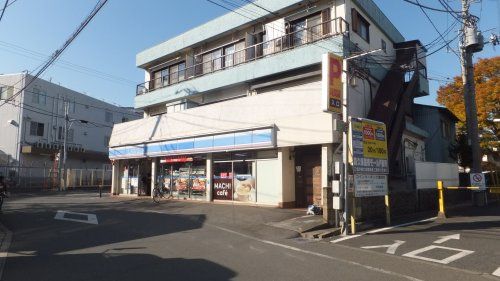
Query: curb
point(4, 247)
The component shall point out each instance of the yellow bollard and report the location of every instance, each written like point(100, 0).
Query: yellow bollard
point(387, 210)
point(353, 216)
point(441, 213)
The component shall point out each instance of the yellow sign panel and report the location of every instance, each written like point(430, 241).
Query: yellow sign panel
point(374, 140)
point(369, 146)
point(332, 83)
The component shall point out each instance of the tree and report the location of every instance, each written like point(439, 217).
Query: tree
point(487, 80)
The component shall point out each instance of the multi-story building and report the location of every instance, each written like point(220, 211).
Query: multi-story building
point(233, 108)
point(32, 124)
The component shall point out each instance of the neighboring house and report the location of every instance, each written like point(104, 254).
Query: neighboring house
point(32, 124)
point(233, 108)
point(439, 123)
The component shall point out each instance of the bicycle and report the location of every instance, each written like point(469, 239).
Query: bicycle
point(3, 194)
point(161, 192)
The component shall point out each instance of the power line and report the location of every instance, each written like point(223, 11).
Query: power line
point(75, 102)
point(8, 5)
point(435, 28)
point(58, 52)
point(3, 10)
point(430, 8)
point(65, 64)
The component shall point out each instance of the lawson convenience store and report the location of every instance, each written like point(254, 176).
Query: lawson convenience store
point(237, 166)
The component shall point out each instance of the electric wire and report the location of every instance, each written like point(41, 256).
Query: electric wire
point(59, 51)
point(3, 10)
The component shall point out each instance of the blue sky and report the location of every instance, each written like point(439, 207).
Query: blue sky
point(101, 61)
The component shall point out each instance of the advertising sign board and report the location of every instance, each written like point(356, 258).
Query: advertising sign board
point(368, 185)
point(368, 146)
point(332, 83)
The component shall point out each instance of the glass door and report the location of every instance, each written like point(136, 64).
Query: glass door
point(244, 181)
point(223, 181)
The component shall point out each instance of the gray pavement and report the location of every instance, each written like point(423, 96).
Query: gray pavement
point(136, 239)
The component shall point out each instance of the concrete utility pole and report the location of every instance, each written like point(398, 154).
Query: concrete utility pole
point(469, 24)
point(66, 120)
point(345, 140)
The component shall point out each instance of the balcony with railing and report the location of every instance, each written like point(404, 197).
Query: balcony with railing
point(207, 64)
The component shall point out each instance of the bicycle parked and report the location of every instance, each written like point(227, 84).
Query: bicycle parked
point(160, 192)
point(3, 191)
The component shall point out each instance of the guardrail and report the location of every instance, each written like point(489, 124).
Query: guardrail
point(441, 188)
point(288, 41)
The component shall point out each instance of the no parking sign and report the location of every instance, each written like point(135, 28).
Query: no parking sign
point(477, 179)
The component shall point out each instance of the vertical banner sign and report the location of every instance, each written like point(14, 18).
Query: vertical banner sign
point(332, 83)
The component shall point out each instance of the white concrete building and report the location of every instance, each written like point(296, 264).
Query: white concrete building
point(32, 124)
point(233, 108)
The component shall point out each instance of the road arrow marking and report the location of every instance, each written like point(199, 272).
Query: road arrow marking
point(391, 248)
point(446, 238)
point(496, 272)
point(461, 253)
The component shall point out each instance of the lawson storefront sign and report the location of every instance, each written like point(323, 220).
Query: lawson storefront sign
point(257, 138)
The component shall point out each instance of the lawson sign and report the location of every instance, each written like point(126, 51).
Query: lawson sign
point(258, 138)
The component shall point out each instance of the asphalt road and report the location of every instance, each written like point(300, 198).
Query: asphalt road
point(135, 239)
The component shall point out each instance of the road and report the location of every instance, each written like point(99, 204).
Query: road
point(79, 236)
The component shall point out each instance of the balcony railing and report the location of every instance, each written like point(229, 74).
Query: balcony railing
point(280, 44)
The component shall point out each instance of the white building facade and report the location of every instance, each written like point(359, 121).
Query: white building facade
point(32, 124)
point(233, 108)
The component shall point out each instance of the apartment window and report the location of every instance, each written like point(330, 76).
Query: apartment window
point(60, 134)
point(229, 55)
point(6, 92)
point(37, 129)
point(169, 75)
point(360, 25)
point(108, 117)
point(38, 97)
point(383, 45)
point(445, 129)
point(106, 141)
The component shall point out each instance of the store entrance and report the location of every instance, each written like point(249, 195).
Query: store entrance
point(307, 176)
point(234, 180)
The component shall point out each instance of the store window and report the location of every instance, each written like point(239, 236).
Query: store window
point(234, 177)
point(183, 177)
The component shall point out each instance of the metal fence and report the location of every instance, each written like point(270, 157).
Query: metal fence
point(48, 178)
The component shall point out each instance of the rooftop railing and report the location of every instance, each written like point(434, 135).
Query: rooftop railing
point(297, 38)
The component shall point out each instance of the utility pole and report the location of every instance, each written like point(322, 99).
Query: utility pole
point(345, 173)
point(66, 120)
point(467, 48)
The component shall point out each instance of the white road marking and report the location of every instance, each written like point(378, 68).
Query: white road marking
point(391, 248)
point(4, 248)
point(91, 218)
point(368, 267)
point(496, 272)
point(345, 238)
point(380, 230)
point(461, 253)
point(446, 238)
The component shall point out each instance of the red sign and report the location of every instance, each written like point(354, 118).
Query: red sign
point(368, 132)
point(332, 83)
point(223, 189)
point(176, 159)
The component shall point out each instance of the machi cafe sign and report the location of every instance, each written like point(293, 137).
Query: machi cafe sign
point(332, 83)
